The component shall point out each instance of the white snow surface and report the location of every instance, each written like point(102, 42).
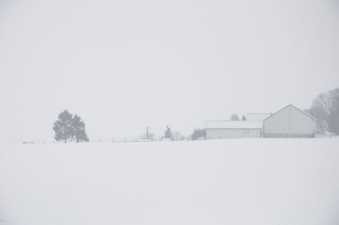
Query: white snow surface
point(234, 182)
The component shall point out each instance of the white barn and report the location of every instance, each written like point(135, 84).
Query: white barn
point(289, 121)
point(233, 129)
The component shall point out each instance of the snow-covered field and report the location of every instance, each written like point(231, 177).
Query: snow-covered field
point(245, 182)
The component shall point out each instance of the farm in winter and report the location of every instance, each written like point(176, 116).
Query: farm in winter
point(238, 181)
point(179, 112)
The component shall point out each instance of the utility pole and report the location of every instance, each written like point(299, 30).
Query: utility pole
point(147, 133)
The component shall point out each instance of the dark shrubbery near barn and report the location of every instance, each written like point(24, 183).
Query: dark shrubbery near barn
point(199, 134)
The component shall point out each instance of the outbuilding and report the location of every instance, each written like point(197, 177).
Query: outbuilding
point(233, 129)
point(289, 121)
point(257, 116)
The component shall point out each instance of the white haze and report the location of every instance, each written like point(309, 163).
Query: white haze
point(125, 65)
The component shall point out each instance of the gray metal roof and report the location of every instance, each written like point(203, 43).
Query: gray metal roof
point(229, 124)
point(257, 116)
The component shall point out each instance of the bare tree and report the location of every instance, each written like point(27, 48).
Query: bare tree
point(325, 108)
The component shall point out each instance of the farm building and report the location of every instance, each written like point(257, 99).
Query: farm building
point(233, 129)
point(257, 116)
point(290, 121)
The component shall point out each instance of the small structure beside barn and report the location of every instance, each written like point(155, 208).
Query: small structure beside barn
point(257, 116)
point(233, 129)
point(290, 121)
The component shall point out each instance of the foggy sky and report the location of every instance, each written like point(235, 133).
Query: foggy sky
point(125, 65)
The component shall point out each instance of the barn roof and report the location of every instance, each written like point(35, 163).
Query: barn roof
point(229, 124)
point(257, 116)
point(291, 106)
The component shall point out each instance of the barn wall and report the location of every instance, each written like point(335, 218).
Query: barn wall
point(289, 122)
point(219, 133)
